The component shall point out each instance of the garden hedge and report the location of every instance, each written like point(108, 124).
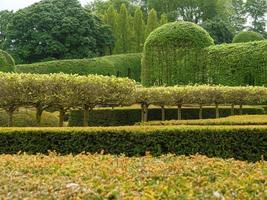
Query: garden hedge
point(130, 116)
point(172, 54)
point(7, 63)
point(243, 143)
point(247, 36)
point(125, 65)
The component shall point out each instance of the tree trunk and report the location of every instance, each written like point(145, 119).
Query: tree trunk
point(145, 113)
point(39, 112)
point(217, 111)
point(179, 111)
point(233, 109)
point(86, 116)
point(241, 109)
point(10, 118)
point(200, 111)
point(62, 113)
point(163, 114)
point(142, 112)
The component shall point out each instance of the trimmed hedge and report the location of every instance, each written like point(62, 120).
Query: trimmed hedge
point(125, 65)
point(243, 143)
point(238, 64)
point(247, 36)
point(173, 53)
point(7, 63)
point(131, 116)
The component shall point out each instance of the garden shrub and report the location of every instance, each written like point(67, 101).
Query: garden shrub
point(7, 63)
point(247, 36)
point(243, 143)
point(130, 116)
point(172, 55)
point(124, 65)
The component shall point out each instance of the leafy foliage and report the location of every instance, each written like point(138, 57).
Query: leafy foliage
point(7, 63)
point(247, 36)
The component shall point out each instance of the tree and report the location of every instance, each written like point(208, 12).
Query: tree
point(257, 10)
point(123, 38)
point(238, 19)
point(163, 19)
point(5, 18)
point(53, 29)
point(152, 22)
point(139, 30)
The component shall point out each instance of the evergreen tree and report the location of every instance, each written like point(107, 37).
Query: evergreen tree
point(239, 17)
point(163, 19)
point(139, 30)
point(123, 39)
point(152, 22)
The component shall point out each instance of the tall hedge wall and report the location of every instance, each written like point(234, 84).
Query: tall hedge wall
point(173, 53)
point(238, 64)
point(7, 63)
point(125, 65)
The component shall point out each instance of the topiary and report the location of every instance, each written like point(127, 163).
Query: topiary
point(7, 63)
point(172, 53)
point(247, 36)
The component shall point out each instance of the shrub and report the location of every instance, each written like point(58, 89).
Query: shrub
point(125, 65)
point(247, 36)
point(7, 63)
point(130, 116)
point(172, 54)
point(244, 143)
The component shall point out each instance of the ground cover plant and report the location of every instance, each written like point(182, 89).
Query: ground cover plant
point(119, 177)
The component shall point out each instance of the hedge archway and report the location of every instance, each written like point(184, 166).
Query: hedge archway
point(7, 63)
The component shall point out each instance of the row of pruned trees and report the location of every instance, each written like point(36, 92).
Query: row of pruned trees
point(61, 92)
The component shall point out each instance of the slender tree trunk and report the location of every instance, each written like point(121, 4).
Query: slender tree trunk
point(39, 112)
point(200, 111)
point(179, 111)
point(62, 113)
point(163, 114)
point(145, 113)
point(233, 109)
point(142, 112)
point(10, 113)
point(217, 111)
point(86, 116)
point(241, 109)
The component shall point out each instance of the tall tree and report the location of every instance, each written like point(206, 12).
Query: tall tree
point(152, 22)
point(163, 19)
point(238, 19)
point(5, 18)
point(123, 39)
point(139, 30)
point(257, 10)
point(54, 29)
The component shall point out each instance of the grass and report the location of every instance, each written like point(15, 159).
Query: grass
point(232, 120)
point(119, 177)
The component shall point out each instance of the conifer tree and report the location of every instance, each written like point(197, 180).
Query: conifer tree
point(139, 30)
point(163, 19)
point(152, 22)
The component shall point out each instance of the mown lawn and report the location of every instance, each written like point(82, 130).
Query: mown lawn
point(119, 177)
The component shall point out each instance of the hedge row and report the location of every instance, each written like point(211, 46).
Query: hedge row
point(131, 116)
point(7, 63)
point(125, 65)
point(243, 143)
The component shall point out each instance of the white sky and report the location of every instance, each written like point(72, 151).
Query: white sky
point(18, 4)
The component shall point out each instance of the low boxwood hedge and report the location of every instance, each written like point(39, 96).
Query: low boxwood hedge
point(131, 116)
point(244, 143)
point(124, 65)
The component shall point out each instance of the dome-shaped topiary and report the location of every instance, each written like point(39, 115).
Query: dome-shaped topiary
point(172, 53)
point(247, 36)
point(7, 63)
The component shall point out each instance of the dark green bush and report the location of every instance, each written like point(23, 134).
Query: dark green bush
point(173, 54)
point(125, 65)
point(244, 143)
point(247, 36)
point(122, 117)
point(238, 64)
point(7, 63)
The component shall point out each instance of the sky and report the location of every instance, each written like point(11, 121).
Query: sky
point(18, 4)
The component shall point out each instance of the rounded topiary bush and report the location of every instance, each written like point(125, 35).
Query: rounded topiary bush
point(173, 53)
point(6, 62)
point(247, 36)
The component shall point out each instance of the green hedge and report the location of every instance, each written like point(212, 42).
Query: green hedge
point(125, 65)
point(244, 143)
point(7, 63)
point(131, 116)
point(238, 64)
point(247, 36)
